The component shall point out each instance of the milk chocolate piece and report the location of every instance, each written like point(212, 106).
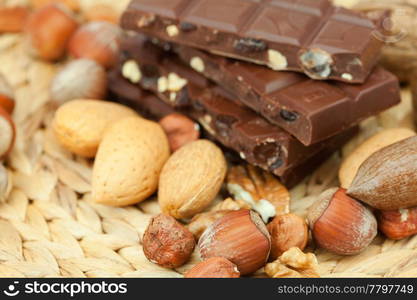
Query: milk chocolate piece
point(310, 36)
point(154, 108)
point(310, 110)
point(235, 126)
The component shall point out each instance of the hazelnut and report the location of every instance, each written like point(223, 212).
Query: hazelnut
point(49, 30)
point(287, 231)
point(72, 4)
point(167, 243)
point(197, 64)
point(398, 224)
point(6, 95)
point(101, 12)
point(98, 41)
point(214, 267)
point(277, 61)
point(180, 130)
point(71, 83)
point(316, 63)
point(341, 224)
point(241, 237)
point(13, 19)
point(7, 133)
point(131, 71)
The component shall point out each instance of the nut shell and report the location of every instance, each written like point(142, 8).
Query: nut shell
point(128, 162)
point(79, 125)
point(180, 130)
point(214, 267)
point(287, 231)
point(167, 243)
point(398, 224)
point(191, 179)
point(71, 83)
point(341, 224)
point(241, 237)
point(387, 180)
point(98, 41)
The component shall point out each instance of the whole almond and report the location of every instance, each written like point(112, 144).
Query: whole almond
point(128, 162)
point(80, 124)
point(352, 162)
point(191, 179)
point(387, 180)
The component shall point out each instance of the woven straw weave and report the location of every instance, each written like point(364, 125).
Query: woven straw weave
point(50, 229)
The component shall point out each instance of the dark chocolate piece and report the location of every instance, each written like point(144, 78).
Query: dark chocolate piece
point(311, 111)
point(235, 126)
point(310, 36)
point(142, 101)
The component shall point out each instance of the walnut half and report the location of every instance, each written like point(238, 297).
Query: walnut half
point(293, 264)
point(259, 189)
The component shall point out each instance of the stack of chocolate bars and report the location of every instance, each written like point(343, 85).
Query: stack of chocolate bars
point(283, 83)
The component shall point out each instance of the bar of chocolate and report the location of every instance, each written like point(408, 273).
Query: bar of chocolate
point(235, 126)
point(310, 110)
point(310, 36)
point(154, 108)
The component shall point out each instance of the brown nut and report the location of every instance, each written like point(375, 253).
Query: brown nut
point(241, 237)
point(387, 180)
point(180, 130)
point(6, 95)
point(341, 224)
point(72, 4)
point(398, 224)
point(71, 83)
point(214, 267)
point(167, 243)
point(7, 133)
point(49, 30)
point(287, 231)
point(13, 19)
point(98, 41)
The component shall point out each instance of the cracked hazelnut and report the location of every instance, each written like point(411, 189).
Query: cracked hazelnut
point(71, 83)
point(214, 267)
point(167, 243)
point(287, 231)
point(6, 95)
point(180, 130)
point(341, 224)
point(241, 237)
point(98, 41)
point(49, 30)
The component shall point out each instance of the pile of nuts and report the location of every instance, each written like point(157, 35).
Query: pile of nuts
point(135, 158)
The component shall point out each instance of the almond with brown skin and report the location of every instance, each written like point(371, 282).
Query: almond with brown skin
point(387, 180)
point(214, 267)
point(398, 224)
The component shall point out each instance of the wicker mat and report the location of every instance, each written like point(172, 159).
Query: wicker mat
point(50, 229)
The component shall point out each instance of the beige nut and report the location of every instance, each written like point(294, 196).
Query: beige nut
point(197, 64)
point(80, 124)
point(351, 164)
point(277, 61)
point(172, 30)
point(191, 179)
point(128, 162)
point(131, 71)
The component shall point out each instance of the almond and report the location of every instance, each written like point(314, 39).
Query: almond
point(128, 162)
point(191, 179)
point(387, 180)
point(352, 162)
point(80, 124)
